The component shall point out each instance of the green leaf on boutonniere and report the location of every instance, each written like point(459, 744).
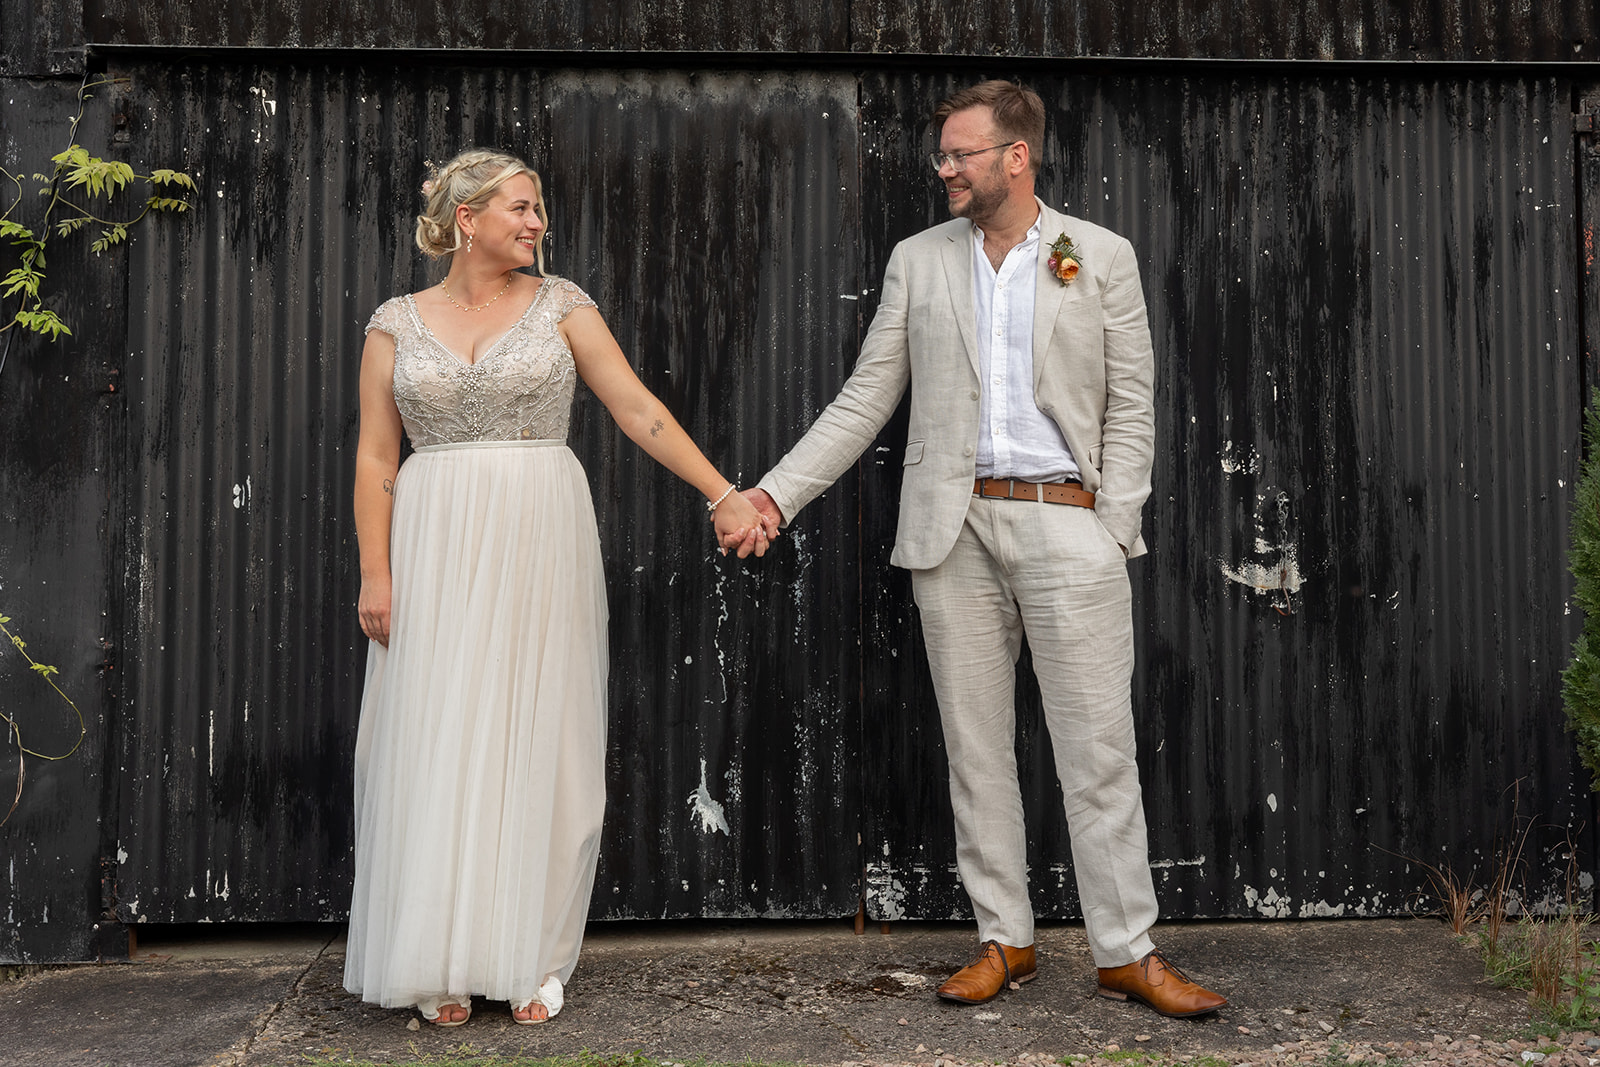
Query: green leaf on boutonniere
point(1064, 259)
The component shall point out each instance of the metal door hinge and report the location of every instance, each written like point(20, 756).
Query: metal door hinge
point(1586, 122)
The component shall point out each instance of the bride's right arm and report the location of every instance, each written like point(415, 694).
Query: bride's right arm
point(377, 463)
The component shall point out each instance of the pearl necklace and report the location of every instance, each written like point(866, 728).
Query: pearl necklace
point(478, 307)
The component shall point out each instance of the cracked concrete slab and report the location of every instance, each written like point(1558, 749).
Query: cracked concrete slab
point(162, 1011)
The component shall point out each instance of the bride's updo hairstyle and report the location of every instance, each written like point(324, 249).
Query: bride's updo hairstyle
point(471, 179)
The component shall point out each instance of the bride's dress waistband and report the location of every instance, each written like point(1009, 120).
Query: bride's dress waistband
point(541, 442)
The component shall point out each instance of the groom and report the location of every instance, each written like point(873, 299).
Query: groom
point(1021, 333)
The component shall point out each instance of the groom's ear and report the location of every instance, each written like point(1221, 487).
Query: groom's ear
point(1019, 160)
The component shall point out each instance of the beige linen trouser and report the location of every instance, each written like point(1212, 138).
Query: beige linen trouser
point(1052, 571)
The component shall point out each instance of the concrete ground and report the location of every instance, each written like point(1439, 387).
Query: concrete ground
point(813, 992)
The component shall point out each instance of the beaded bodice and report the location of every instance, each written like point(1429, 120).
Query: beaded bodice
point(521, 388)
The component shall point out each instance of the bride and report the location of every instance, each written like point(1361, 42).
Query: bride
point(480, 757)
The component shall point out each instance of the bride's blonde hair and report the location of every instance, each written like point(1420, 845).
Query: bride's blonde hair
point(471, 178)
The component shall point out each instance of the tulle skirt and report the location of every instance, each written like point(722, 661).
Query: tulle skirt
point(480, 758)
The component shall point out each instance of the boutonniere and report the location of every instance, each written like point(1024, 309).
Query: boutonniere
point(1064, 260)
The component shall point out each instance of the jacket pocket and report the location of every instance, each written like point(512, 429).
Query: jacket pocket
point(914, 452)
point(1095, 454)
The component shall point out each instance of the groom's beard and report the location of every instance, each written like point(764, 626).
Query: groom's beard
point(986, 192)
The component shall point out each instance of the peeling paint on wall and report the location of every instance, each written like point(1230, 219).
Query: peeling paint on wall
point(707, 810)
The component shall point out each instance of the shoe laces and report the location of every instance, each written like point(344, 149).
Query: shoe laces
point(992, 948)
point(1168, 964)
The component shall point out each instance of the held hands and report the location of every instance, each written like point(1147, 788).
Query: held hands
point(747, 522)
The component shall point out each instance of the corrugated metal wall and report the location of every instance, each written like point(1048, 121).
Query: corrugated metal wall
point(1365, 308)
point(1367, 287)
point(59, 422)
point(1540, 30)
point(710, 215)
point(1367, 393)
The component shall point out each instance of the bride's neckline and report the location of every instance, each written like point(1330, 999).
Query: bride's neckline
point(494, 346)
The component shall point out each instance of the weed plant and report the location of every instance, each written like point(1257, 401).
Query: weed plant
point(1555, 960)
point(1580, 682)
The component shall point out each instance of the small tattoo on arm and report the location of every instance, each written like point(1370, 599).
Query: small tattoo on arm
point(388, 486)
point(655, 431)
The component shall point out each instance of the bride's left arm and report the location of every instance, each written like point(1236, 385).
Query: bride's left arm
point(649, 424)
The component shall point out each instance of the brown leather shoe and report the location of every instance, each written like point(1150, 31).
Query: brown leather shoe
point(1156, 982)
point(996, 967)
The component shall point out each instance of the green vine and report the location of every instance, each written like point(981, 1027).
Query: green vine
point(90, 178)
point(80, 191)
point(47, 672)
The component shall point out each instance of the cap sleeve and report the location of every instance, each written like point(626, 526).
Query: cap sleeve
point(567, 297)
point(387, 318)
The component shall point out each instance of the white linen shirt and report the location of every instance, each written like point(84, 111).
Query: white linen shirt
point(1015, 439)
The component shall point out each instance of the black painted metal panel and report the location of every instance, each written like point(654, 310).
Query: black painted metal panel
point(1365, 294)
point(1354, 615)
point(711, 217)
point(1403, 30)
point(40, 38)
point(58, 416)
point(550, 25)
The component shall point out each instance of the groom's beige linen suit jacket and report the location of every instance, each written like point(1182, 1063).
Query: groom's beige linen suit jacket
point(1093, 368)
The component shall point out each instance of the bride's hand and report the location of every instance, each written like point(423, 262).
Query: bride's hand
point(735, 519)
point(373, 608)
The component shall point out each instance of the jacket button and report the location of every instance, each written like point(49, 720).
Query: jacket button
point(974, 394)
point(967, 451)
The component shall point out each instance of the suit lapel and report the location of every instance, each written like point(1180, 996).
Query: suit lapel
point(958, 275)
point(1048, 292)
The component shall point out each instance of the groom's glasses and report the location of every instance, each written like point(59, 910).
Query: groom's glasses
point(958, 160)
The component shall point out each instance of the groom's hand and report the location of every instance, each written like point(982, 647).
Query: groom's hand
point(771, 519)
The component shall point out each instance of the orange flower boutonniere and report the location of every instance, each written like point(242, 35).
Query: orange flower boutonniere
point(1064, 261)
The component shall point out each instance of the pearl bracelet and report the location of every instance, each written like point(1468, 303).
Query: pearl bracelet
point(711, 505)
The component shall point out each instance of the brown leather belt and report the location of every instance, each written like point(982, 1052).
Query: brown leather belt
point(1054, 492)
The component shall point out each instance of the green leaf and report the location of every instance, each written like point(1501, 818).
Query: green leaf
point(101, 177)
point(70, 225)
point(15, 229)
point(44, 669)
point(4, 619)
point(167, 203)
point(171, 177)
point(43, 322)
point(115, 235)
point(21, 280)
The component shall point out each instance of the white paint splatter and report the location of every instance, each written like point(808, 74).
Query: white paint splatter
point(1198, 861)
point(886, 892)
point(268, 105)
point(1246, 461)
point(1264, 577)
point(710, 812)
point(1270, 905)
point(1272, 801)
point(1321, 910)
point(241, 493)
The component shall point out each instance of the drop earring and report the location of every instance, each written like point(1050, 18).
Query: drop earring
point(469, 244)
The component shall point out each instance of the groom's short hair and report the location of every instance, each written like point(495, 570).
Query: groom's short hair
point(1018, 113)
